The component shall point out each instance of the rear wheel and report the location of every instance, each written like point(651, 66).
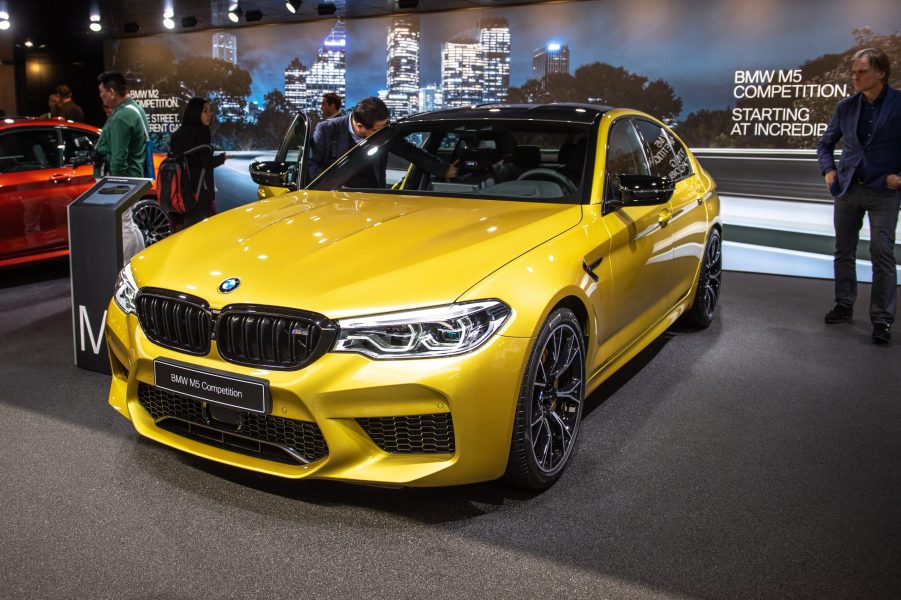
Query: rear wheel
point(549, 409)
point(151, 220)
point(707, 295)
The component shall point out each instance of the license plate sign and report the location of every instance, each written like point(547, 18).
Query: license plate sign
point(242, 393)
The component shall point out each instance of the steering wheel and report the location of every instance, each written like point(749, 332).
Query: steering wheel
point(543, 173)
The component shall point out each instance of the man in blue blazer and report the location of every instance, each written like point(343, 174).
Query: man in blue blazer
point(867, 181)
point(333, 137)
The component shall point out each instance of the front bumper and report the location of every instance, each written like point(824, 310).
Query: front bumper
point(354, 403)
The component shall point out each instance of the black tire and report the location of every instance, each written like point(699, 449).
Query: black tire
point(549, 409)
point(151, 220)
point(710, 279)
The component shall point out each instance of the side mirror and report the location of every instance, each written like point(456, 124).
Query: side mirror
point(84, 151)
point(275, 174)
point(81, 157)
point(641, 190)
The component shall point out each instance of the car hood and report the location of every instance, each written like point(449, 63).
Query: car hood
point(345, 254)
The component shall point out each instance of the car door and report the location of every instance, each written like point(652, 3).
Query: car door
point(688, 220)
point(288, 172)
point(34, 192)
point(640, 250)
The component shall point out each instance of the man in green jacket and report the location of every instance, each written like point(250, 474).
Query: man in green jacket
point(124, 138)
point(123, 147)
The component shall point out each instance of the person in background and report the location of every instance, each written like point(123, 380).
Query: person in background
point(68, 109)
point(192, 140)
point(331, 106)
point(867, 181)
point(53, 103)
point(122, 147)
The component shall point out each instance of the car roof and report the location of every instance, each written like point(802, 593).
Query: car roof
point(7, 122)
point(570, 112)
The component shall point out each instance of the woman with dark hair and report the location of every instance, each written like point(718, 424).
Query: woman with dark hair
point(192, 140)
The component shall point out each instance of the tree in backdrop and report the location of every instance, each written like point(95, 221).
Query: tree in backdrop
point(274, 120)
point(601, 83)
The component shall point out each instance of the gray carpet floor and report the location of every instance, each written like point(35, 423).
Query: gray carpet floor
point(760, 458)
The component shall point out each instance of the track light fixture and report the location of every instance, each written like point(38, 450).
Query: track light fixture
point(131, 27)
point(95, 22)
point(326, 8)
point(189, 21)
point(253, 15)
point(407, 4)
point(293, 6)
point(4, 20)
point(234, 13)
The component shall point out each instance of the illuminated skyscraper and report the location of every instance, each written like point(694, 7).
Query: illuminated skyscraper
point(229, 108)
point(494, 40)
point(430, 98)
point(225, 47)
point(461, 71)
point(296, 84)
point(403, 66)
point(548, 60)
point(328, 73)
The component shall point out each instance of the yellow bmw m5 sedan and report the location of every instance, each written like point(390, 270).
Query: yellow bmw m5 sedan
point(387, 326)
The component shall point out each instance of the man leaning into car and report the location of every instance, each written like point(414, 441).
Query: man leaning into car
point(333, 137)
point(867, 180)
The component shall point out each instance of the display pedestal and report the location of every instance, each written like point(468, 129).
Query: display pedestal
point(95, 258)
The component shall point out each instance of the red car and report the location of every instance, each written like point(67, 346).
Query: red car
point(38, 180)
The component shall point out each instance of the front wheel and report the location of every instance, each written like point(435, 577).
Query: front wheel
point(151, 220)
point(707, 294)
point(549, 408)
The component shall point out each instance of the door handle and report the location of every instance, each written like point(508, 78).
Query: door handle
point(664, 217)
point(60, 178)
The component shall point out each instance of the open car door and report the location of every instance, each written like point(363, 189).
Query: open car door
point(288, 172)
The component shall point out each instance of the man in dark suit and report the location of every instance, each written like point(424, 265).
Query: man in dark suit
point(867, 181)
point(333, 137)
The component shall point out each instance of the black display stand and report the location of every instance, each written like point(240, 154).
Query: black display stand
point(95, 258)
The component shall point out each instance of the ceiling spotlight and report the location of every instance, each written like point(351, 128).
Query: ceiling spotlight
point(293, 6)
point(168, 23)
point(253, 15)
point(326, 8)
point(4, 16)
point(29, 44)
point(131, 27)
point(407, 4)
point(4, 24)
point(95, 26)
point(189, 22)
point(234, 14)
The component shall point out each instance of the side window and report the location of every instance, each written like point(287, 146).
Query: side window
point(29, 150)
point(667, 156)
point(70, 148)
point(624, 152)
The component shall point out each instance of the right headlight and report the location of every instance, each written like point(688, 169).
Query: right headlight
point(126, 289)
point(425, 333)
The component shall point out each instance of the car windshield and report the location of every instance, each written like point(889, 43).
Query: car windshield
point(521, 160)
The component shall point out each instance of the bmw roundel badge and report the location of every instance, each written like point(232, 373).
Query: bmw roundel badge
point(229, 285)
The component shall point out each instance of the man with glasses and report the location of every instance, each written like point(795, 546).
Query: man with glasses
point(866, 181)
point(333, 137)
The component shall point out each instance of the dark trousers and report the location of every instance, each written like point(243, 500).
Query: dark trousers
point(882, 210)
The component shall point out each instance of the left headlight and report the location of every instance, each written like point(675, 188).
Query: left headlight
point(126, 289)
point(430, 332)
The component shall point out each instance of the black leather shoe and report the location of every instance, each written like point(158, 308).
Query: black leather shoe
point(839, 314)
point(882, 333)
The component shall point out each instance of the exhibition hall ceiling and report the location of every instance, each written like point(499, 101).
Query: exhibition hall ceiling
point(121, 16)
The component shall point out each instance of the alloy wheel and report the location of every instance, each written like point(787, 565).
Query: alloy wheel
point(556, 404)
